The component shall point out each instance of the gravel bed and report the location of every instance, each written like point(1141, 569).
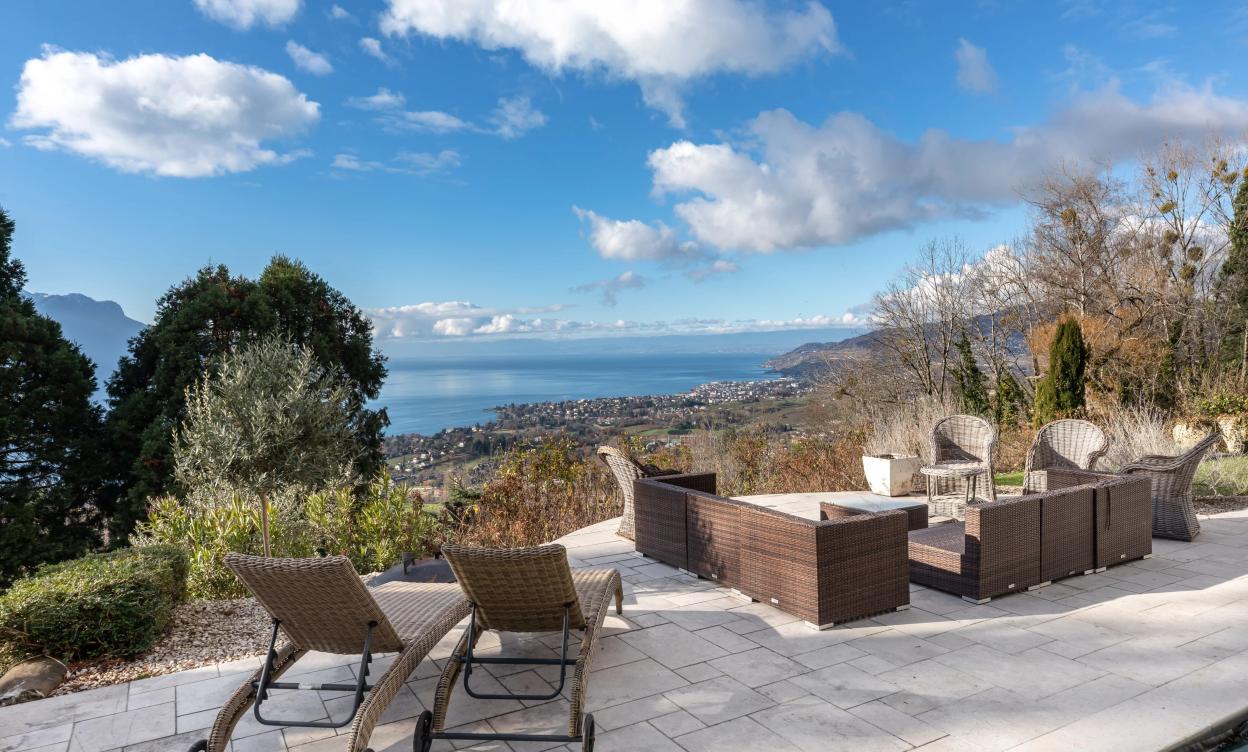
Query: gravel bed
point(1218, 504)
point(202, 633)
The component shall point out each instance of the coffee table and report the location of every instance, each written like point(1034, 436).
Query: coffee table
point(854, 502)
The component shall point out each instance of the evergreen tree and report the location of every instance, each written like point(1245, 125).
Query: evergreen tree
point(1233, 285)
point(1009, 401)
point(49, 431)
point(1061, 392)
point(206, 317)
point(972, 390)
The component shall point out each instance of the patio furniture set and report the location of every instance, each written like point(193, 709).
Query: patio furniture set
point(858, 558)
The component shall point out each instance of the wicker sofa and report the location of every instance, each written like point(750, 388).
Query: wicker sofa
point(838, 569)
point(1084, 522)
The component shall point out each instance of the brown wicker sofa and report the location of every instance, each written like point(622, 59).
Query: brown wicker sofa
point(1084, 522)
point(825, 572)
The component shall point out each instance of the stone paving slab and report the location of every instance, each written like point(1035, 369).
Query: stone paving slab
point(1143, 656)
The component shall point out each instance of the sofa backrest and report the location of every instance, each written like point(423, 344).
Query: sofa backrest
point(1003, 545)
point(1124, 519)
point(1067, 531)
point(659, 526)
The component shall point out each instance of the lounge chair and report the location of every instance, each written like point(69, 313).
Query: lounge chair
point(321, 604)
point(524, 590)
point(1063, 445)
point(626, 470)
point(962, 450)
point(1173, 513)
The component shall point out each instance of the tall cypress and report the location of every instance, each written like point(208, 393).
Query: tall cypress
point(1233, 286)
point(1060, 393)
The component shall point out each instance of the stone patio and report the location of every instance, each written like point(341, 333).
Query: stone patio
point(1142, 657)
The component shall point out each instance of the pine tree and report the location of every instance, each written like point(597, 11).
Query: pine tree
point(1061, 392)
point(49, 431)
point(199, 321)
point(969, 380)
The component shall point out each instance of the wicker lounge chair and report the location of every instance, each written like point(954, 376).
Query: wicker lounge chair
point(626, 470)
point(962, 450)
point(1173, 514)
point(321, 604)
point(1063, 444)
point(524, 590)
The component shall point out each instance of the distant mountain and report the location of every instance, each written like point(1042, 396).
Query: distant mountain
point(815, 358)
point(100, 327)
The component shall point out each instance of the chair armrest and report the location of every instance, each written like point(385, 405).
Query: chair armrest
point(1154, 463)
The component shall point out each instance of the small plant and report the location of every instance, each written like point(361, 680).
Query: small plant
point(1221, 403)
point(114, 604)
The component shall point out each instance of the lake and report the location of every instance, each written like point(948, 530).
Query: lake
point(425, 395)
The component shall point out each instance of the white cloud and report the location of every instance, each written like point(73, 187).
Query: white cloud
point(510, 119)
point(975, 73)
point(515, 116)
point(611, 287)
point(406, 162)
point(657, 43)
point(243, 14)
point(384, 99)
point(634, 240)
point(713, 269)
point(188, 116)
point(432, 121)
point(307, 60)
point(338, 13)
point(462, 319)
point(790, 184)
point(5, 143)
point(372, 48)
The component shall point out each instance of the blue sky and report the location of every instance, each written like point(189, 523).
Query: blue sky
point(611, 168)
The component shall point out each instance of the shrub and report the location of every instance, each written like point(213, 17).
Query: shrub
point(372, 529)
point(114, 604)
point(1060, 394)
point(1221, 403)
point(544, 490)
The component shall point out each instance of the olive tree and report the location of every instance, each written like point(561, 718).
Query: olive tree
point(267, 417)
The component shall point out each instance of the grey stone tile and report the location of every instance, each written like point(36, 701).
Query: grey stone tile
point(45, 736)
point(812, 725)
point(699, 672)
point(757, 667)
point(267, 741)
point(672, 646)
point(901, 725)
point(123, 729)
point(631, 681)
point(831, 655)
point(781, 691)
point(845, 686)
point(1033, 673)
point(62, 709)
point(998, 635)
point(718, 700)
point(1147, 661)
point(626, 714)
point(632, 738)
point(675, 724)
point(929, 684)
point(738, 735)
point(178, 743)
point(898, 648)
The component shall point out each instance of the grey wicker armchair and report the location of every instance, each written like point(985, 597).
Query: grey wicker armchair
point(963, 447)
point(626, 470)
point(1173, 513)
point(1062, 445)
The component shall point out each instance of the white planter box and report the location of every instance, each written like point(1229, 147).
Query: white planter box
point(891, 474)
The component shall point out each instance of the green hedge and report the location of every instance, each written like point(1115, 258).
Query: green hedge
point(113, 604)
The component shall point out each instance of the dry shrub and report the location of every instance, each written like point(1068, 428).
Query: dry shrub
point(543, 491)
point(1133, 433)
point(903, 427)
point(1012, 445)
point(755, 462)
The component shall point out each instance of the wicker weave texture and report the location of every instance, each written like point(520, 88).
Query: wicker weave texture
point(1067, 532)
point(1071, 444)
point(519, 589)
point(822, 571)
point(1124, 520)
point(1173, 513)
point(595, 590)
point(294, 591)
point(419, 614)
point(626, 470)
point(955, 441)
point(661, 521)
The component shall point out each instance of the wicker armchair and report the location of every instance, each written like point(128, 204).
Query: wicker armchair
point(962, 450)
point(626, 470)
point(1173, 514)
point(1063, 445)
